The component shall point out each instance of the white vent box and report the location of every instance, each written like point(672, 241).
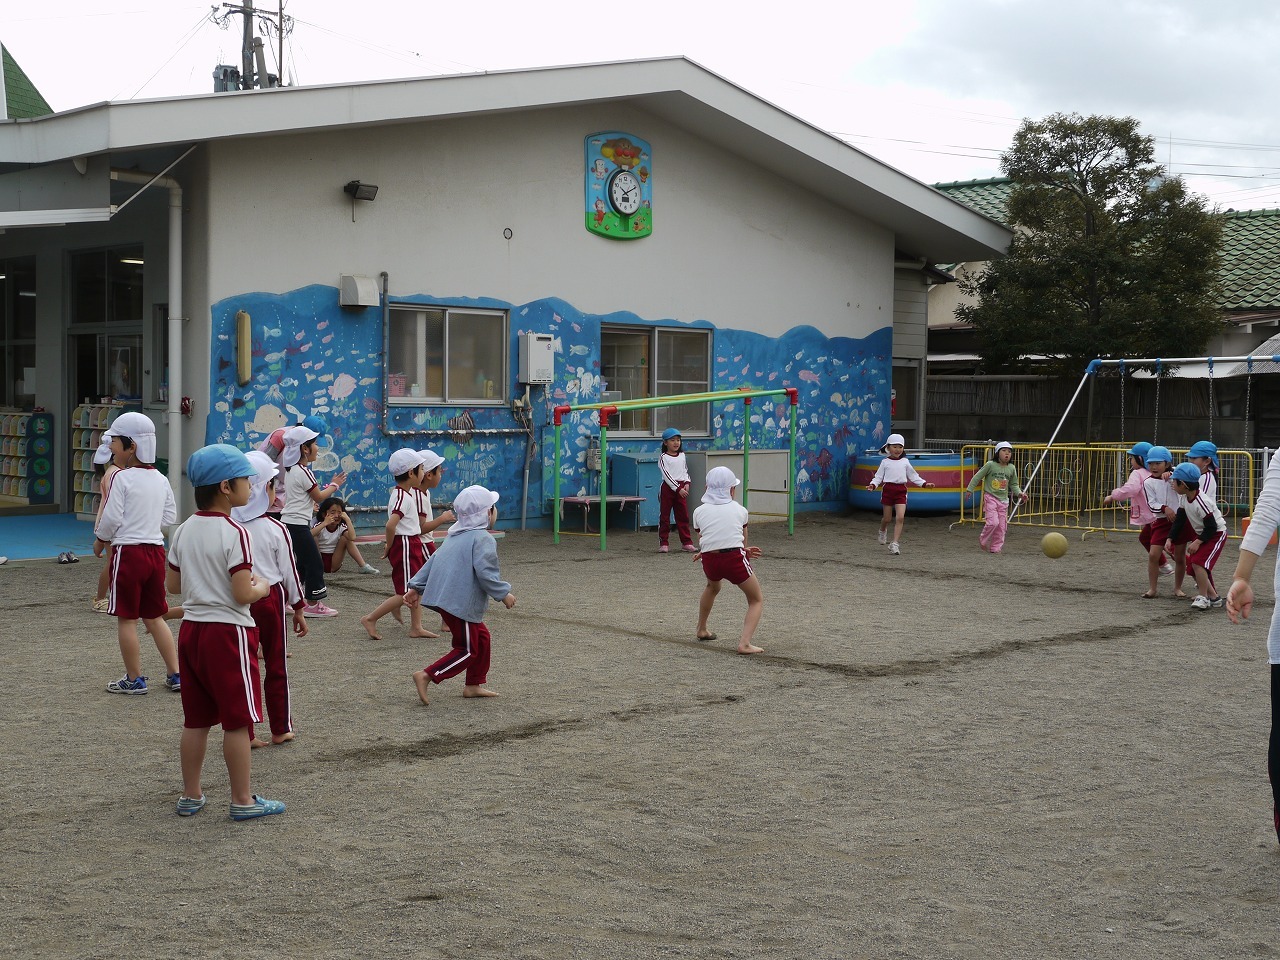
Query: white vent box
point(537, 358)
point(356, 291)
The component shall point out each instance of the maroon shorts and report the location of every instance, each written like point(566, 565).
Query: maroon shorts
point(1206, 555)
point(327, 560)
point(893, 493)
point(407, 557)
point(729, 564)
point(430, 544)
point(137, 581)
point(219, 667)
point(1155, 532)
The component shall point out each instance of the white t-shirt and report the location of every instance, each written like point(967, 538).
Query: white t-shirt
point(299, 481)
point(719, 525)
point(273, 559)
point(404, 503)
point(326, 539)
point(137, 508)
point(207, 549)
point(675, 469)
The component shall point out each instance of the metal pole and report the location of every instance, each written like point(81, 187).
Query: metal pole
point(604, 477)
point(246, 53)
point(1089, 371)
point(555, 505)
point(791, 471)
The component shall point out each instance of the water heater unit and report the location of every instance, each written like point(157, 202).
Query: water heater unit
point(537, 358)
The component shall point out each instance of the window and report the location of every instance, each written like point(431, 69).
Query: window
point(106, 286)
point(18, 332)
point(439, 355)
point(641, 363)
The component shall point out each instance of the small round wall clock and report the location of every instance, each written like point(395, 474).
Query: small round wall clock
point(619, 186)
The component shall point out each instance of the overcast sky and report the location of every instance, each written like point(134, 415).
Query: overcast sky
point(935, 89)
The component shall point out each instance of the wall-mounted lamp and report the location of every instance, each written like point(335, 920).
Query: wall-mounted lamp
point(359, 191)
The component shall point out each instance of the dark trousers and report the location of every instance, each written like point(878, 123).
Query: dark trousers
point(669, 500)
point(1273, 748)
point(310, 564)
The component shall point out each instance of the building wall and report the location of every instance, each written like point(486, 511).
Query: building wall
point(797, 292)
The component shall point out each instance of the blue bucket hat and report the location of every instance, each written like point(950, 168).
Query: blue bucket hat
point(1160, 454)
point(1140, 449)
point(218, 462)
point(315, 423)
point(670, 432)
point(1204, 448)
point(1188, 473)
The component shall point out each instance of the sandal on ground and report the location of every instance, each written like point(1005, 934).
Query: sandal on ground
point(190, 806)
point(260, 807)
point(707, 637)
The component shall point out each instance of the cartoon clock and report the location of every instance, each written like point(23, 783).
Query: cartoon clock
point(618, 185)
point(624, 193)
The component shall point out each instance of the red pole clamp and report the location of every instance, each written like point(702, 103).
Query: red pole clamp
point(559, 412)
point(794, 394)
point(606, 414)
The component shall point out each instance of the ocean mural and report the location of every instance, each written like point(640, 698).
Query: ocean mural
point(311, 356)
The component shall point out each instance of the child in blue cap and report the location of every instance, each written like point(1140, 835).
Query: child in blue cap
point(674, 493)
point(1204, 454)
point(211, 565)
point(1202, 516)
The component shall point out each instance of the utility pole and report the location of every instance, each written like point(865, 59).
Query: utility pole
point(253, 64)
point(246, 52)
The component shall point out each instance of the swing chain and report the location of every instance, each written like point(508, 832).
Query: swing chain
point(1155, 428)
point(1248, 394)
point(1122, 379)
point(1211, 402)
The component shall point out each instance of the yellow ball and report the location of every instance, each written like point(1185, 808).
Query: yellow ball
point(1054, 545)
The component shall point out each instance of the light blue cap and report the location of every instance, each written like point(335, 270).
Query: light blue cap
point(1160, 454)
point(1188, 473)
point(670, 432)
point(1204, 448)
point(1140, 449)
point(315, 423)
point(217, 462)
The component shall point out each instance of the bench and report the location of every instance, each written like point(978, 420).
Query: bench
point(623, 503)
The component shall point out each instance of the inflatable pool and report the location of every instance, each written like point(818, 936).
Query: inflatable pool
point(941, 468)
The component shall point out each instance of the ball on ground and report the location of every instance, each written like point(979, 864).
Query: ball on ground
point(1054, 545)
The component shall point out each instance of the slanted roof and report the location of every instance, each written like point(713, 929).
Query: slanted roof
point(924, 223)
point(989, 197)
point(21, 98)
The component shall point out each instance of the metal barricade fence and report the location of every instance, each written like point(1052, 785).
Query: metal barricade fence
point(1073, 480)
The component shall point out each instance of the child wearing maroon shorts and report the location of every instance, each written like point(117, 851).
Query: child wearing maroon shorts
point(895, 472)
point(211, 565)
point(1162, 502)
point(273, 563)
point(404, 546)
point(457, 581)
point(1200, 514)
point(134, 514)
point(721, 523)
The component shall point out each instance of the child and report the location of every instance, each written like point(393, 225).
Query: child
point(335, 537)
point(432, 473)
point(404, 545)
point(273, 565)
point(999, 480)
point(133, 518)
point(1161, 503)
point(721, 523)
point(1210, 533)
point(211, 565)
point(1140, 512)
point(302, 495)
point(274, 446)
point(674, 492)
point(105, 467)
point(895, 471)
point(457, 582)
point(1204, 454)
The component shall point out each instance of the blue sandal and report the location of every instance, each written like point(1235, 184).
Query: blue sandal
point(260, 807)
point(190, 806)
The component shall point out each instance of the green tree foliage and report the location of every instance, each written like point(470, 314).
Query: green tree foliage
point(1109, 259)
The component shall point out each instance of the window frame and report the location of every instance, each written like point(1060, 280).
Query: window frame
point(654, 333)
point(502, 386)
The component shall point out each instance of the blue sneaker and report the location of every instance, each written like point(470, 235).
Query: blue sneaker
point(133, 688)
point(190, 806)
point(173, 682)
point(260, 807)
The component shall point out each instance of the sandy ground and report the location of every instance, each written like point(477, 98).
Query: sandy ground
point(942, 754)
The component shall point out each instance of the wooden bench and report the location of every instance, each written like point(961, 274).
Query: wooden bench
point(586, 503)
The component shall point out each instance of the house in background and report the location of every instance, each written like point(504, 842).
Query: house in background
point(19, 98)
point(384, 253)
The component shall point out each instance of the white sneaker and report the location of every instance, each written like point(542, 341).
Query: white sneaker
point(4, 560)
point(1201, 603)
point(884, 537)
point(1166, 568)
point(893, 548)
point(369, 568)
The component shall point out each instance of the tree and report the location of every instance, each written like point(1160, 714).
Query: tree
point(1110, 258)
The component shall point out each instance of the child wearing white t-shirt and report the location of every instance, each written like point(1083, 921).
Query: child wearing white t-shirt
point(721, 523)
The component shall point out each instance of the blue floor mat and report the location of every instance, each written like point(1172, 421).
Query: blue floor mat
point(45, 536)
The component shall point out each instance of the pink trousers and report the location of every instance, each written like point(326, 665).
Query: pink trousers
point(996, 512)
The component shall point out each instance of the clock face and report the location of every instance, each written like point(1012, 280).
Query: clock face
point(624, 193)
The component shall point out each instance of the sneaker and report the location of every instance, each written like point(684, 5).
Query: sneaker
point(1166, 568)
point(1201, 603)
point(318, 609)
point(189, 806)
point(689, 548)
point(102, 606)
point(3, 561)
point(260, 807)
point(663, 549)
point(883, 538)
point(134, 688)
point(1218, 602)
point(174, 682)
point(893, 548)
point(369, 568)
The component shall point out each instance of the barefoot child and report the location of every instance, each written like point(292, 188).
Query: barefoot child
point(133, 519)
point(673, 495)
point(999, 481)
point(457, 581)
point(721, 523)
point(211, 565)
point(1202, 516)
point(335, 537)
point(895, 471)
point(432, 473)
point(273, 564)
point(404, 547)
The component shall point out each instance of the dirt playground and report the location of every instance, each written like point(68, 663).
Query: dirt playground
point(943, 754)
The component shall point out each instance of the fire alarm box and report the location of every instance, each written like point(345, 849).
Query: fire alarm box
point(537, 358)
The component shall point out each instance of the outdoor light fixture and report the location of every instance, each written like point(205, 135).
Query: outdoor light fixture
point(361, 191)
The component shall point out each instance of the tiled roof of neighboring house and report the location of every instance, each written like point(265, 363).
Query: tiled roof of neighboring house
point(22, 99)
point(988, 197)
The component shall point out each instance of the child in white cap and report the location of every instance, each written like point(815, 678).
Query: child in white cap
point(105, 467)
point(721, 523)
point(998, 478)
point(895, 472)
point(457, 581)
point(140, 505)
point(404, 546)
point(302, 493)
point(432, 473)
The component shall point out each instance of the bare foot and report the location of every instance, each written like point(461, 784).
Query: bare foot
point(283, 738)
point(705, 637)
point(749, 649)
point(422, 681)
point(424, 635)
point(256, 743)
point(370, 627)
point(478, 692)
point(398, 615)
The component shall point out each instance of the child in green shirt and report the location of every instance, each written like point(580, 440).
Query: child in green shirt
point(999, 480)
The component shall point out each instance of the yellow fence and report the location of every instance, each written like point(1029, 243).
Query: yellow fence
point(1068, 490)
